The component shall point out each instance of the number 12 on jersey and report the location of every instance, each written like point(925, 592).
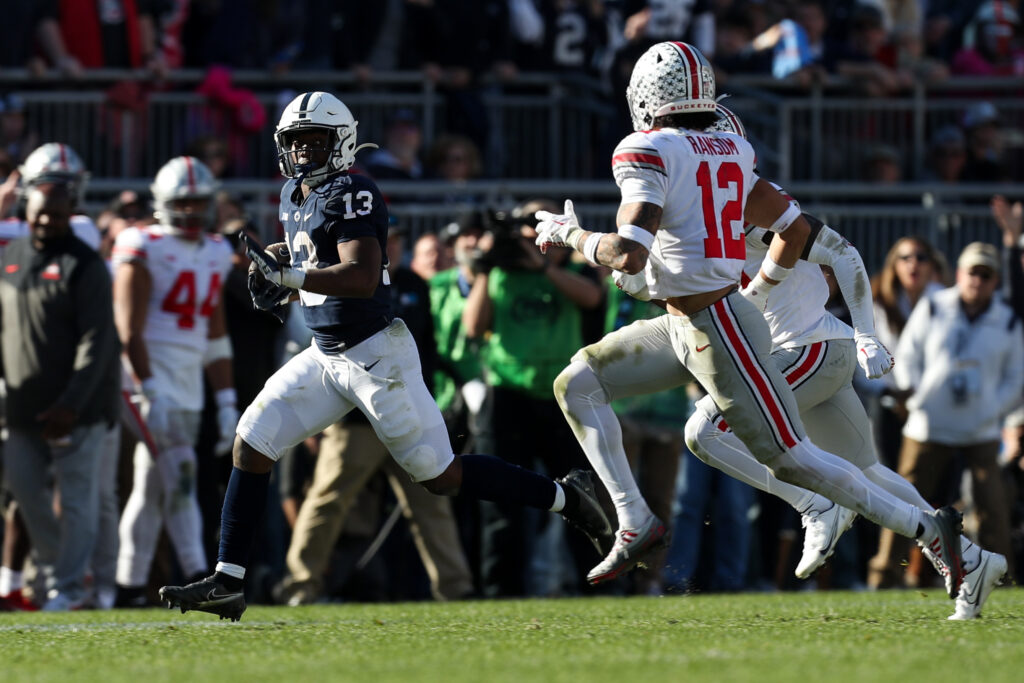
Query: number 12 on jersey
point(722, 241)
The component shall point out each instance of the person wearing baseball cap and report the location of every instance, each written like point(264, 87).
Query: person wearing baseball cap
point(962, 357)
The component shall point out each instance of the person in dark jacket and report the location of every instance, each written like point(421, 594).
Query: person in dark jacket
point(60, 363)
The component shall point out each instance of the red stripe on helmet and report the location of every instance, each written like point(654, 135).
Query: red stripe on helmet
point(694, 64)
point(63, 156)
point(191, 175)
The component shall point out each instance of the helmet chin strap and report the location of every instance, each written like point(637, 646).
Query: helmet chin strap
point(302, 172)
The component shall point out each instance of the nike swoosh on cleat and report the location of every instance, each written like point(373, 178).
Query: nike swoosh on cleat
point(371, 365)
point(701, 348)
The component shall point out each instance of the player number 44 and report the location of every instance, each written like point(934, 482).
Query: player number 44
point(722, 240)
point(181, 299)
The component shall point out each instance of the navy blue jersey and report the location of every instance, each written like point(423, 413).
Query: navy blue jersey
point(340, 210)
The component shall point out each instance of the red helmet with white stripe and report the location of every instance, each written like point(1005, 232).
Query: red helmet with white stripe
point(727, 122)
point(670, 78)
point(183, 196)
point(55, 162)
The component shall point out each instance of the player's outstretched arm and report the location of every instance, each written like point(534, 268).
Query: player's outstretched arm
point(626, 250)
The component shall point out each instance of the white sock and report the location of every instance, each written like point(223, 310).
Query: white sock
point(971, 554)
point(897, 486)
point(559, 503)
point(838, 480)
point(10, 581)
point(235, 570)
point(724, 450)
point(597, 429)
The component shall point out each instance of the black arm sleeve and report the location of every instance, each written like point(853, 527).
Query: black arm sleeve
point(98, 344)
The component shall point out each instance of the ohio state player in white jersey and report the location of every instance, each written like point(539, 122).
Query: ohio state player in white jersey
point(170, 315)
point(685, 196)
point(815, 351)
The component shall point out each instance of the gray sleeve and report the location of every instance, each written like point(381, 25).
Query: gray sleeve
point(98, 344)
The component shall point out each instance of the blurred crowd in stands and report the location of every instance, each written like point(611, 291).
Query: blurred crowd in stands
point(884, 45)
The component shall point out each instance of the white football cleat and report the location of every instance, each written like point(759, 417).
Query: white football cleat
point(823, 530)
point(630, 547)
point(977, 585)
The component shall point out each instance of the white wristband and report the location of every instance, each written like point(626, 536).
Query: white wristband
point(637, 234)
point(226, 397)
point(786, 219)
point(217, 348)
point(773, 270)
point(293, 277)
point(589, 249)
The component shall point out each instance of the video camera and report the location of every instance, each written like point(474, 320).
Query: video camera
point(504, 226)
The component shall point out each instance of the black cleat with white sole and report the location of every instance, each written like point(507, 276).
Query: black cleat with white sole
point(206, 595)
point(587, 516)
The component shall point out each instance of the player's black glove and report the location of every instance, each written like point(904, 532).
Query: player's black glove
point(266, 296)
point(273, 270)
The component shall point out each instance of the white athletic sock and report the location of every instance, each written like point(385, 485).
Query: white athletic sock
point(724, 450)
point(559, 498)
point(235, 570)
point(597, 429)
point(10, 581)
point(829, 475)
point(897, 486)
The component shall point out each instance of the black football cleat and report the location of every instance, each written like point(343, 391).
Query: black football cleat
point(588, 517)
point(206, 595)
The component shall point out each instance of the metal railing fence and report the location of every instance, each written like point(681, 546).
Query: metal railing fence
point(872, 217)
point(542, 126)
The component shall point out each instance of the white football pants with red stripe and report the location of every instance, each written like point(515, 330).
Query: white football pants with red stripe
point(820, 376)
point(726, 348)
point(163, 491)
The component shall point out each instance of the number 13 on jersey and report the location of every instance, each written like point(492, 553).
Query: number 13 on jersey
point(725, 239)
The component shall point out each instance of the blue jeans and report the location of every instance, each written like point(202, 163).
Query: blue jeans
point(707, 493)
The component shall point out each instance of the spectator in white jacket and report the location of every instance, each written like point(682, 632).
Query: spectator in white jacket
point(962, 357)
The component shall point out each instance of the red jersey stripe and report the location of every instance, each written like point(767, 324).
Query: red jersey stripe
point(641, 158)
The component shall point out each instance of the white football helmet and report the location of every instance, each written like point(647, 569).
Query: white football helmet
point(727, 122)
point(670, 78)
point(55, 162)
point(183, 178)
point(313, 110)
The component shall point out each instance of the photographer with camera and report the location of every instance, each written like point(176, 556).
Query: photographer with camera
point(527, 310)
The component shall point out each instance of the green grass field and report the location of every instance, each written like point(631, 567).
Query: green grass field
point(828, 637)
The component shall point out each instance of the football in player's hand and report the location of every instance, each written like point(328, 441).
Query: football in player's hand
point(279, 251)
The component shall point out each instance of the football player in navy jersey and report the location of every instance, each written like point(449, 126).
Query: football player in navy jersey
point(361, 357)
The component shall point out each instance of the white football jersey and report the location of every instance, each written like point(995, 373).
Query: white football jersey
point(701, 182)
point(82, 226)
point(795, 309)
point(188, 279)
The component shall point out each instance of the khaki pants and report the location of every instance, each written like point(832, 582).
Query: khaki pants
point(925, 465)
point(349, 455)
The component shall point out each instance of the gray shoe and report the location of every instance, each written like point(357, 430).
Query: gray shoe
point(945, 550)
point(631, 546)
point(977, 585)
point(588, 518)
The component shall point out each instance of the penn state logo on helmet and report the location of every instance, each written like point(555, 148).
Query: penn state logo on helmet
point(183, 196)
point(55, 162)
point(316, 111)
point(670, 78)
